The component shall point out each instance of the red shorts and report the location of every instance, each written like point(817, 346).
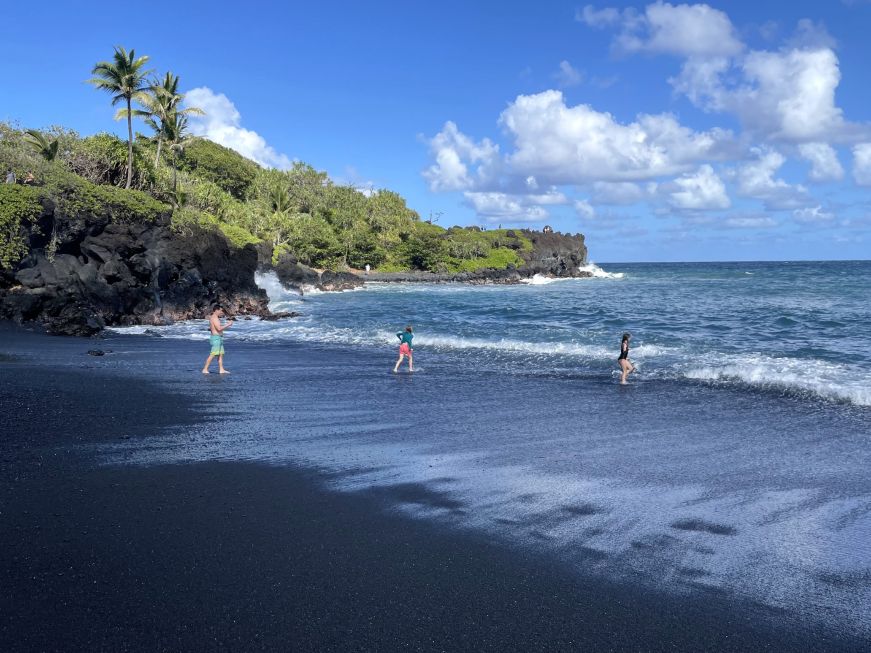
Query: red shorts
point(405, 350)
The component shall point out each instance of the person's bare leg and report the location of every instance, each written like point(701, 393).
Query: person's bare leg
point(208, 362)
point(625, 367)
point(221, 365)
point(411, 362)
point(398, 363)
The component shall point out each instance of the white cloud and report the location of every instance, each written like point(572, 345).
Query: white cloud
point(813, 215)
point(756, 180)
point(223, 125)
point(750, 222)
point(787, 95)
point(862, 164)
point(455, 153)
point(599, 17)
point(502, 206)
point(567, 75)
point(701, 190)
point(552, 196)
point(824, 161)
point(688, 30)
point(585, 209)
point(560, 144)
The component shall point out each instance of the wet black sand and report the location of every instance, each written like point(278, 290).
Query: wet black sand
point(244, 556)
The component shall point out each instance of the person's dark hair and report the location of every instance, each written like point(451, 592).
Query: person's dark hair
point(217, 307)
point(409, 329)
point(626, 336)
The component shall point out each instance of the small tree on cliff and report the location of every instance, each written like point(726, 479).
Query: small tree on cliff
point(125, 78)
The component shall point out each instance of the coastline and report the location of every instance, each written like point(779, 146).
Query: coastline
point(247, 555)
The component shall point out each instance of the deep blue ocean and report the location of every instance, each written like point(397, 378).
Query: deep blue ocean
point(737, 459)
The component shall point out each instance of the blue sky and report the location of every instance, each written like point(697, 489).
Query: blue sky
point(722, 131)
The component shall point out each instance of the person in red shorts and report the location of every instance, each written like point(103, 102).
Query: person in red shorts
point(405, 338)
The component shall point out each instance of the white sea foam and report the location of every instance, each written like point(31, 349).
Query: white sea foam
point(541, 280)
point(599, 273)
point(821, 378)
point(591, 268)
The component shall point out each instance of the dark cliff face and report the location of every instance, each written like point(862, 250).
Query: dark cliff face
point(107, 274)
point(555, 254)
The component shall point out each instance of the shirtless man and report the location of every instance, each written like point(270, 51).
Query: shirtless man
point(217, 339)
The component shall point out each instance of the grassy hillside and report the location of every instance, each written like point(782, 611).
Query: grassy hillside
point(299, 211)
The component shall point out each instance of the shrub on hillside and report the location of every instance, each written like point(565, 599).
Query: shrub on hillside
point(228, 169)
point(18, 204)
point(77, 197)
point(102, 159)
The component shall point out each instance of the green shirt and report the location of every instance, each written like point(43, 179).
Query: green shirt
point(405, 336)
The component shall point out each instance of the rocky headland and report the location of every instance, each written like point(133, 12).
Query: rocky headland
point(84, 272)
point(552, 255)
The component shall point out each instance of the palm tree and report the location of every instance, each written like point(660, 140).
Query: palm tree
point(39, 142)
point(125, 78)
point(158, 106)
point(177, 138)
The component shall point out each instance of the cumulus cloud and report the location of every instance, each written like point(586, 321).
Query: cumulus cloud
point(756, 180)
point(568, 75)
point(699, 191)
point(223, 125)
point(577, 144)
point(786, 95)
point(784, 99)
point(862, 164)
point(824, 161)
point(460, 162)
point(688, 30)
point(502, 206)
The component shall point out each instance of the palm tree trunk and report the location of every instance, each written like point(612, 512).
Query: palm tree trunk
point(174, 173)
point(129, 144)
point(159, 145)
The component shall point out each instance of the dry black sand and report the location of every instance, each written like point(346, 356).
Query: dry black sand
point(243, 556)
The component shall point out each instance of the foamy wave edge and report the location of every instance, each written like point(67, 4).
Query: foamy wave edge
point(814, 377)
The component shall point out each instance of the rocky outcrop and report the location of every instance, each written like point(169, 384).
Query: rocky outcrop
point(85, 273)
point(554, 254)
point(293, 274)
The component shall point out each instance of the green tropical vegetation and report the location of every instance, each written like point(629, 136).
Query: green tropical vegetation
point(201, 185)
point(46, 148)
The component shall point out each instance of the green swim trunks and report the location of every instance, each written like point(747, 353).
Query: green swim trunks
point(217, 343)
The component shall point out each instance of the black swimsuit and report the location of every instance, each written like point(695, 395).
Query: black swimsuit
point(624, 351)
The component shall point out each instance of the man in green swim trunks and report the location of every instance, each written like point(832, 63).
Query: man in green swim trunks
point(217, 339)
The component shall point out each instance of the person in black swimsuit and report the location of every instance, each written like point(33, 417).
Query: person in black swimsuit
point(623, 360)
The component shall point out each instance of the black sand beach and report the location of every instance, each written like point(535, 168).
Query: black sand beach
point(239, 555)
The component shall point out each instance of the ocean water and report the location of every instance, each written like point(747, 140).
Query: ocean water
point(736, 461)
point(798, 328)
